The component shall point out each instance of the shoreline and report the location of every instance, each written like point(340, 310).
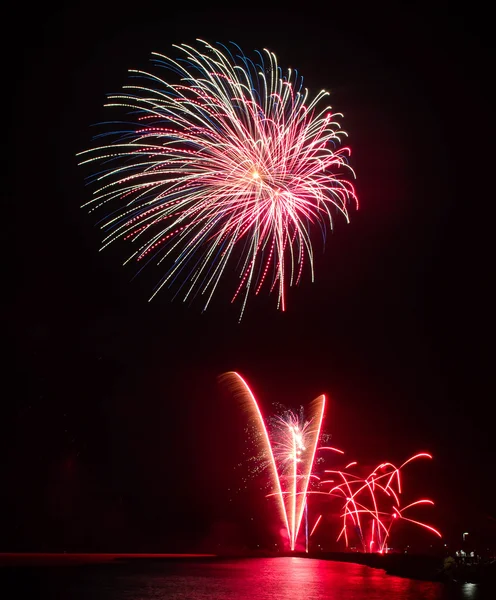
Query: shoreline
point(417, 566)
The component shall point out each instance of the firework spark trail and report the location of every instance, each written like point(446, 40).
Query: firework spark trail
point(240, 389)
point(234, 163)
point(294, 443)
point(291, 452)
point(364, 495)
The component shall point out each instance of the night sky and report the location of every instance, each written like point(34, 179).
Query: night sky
point(114, 432)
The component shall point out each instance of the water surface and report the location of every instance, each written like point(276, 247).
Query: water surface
point(215, 579)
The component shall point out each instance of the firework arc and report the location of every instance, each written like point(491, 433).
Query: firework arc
point(233, 162)
point(244, 395)
point(290, 453)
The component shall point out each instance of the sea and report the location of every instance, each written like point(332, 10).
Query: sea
point(208, 578)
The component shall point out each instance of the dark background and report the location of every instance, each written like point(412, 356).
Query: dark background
point(114, 432)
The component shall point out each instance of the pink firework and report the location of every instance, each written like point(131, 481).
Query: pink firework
point(232, 163)
point(290, 449)
point(371, 504)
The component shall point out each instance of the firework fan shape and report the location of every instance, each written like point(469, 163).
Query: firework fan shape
point(233, 164)
point(288, 448)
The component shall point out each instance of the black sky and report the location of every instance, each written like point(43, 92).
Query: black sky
point(114, 432)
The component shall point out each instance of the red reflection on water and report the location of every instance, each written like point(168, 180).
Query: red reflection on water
point(294, 578)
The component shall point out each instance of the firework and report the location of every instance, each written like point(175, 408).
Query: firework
point(289, 451)
point(288, 445)
point(231, 163)
point(371, 504)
